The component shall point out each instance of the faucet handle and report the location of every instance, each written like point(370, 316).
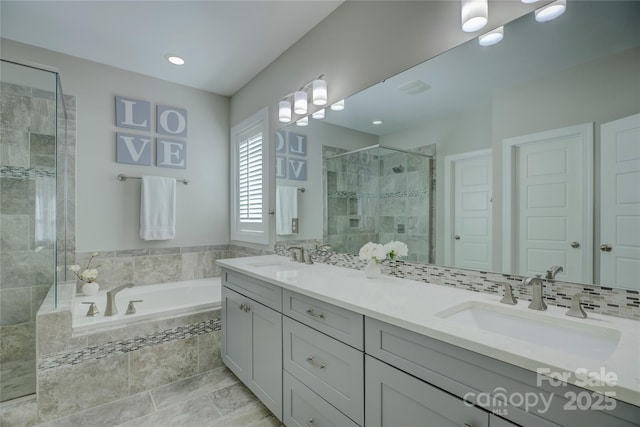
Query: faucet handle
point(131, 308)
point(508, 297)
point(576, 307)
point(93, 309)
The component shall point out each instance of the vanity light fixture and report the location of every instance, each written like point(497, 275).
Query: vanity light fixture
point(529, 1)
point(316, 88)
point(475, 15)
point(303, 121)
point(319, 92)
point(492, 37)
point(377, 122)
point(284, 111)
point(318, 115)
point(300, 102)
point(338, 106)
point(174, 59)
point(551, 11)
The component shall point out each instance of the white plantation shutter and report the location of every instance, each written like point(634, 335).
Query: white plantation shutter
point(249, 186)
point(250, 154)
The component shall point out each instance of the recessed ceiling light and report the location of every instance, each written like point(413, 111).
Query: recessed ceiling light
point(174, 59)
point(377, 122)
point(414, 87)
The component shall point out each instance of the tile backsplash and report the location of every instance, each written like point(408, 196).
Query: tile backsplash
point(598, 299)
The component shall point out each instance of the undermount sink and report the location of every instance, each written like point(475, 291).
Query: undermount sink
point(559, 334)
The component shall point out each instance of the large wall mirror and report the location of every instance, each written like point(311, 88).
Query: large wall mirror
point(509, 158)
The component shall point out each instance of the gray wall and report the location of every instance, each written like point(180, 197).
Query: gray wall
point(108, 210)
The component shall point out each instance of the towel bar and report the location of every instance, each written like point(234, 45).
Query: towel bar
point(123, 177)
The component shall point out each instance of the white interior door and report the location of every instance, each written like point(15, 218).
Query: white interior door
point(620, 203)
point(550, 208)
point(469, 217)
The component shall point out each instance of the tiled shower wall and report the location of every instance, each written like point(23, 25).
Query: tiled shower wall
point(27, 169)
point(367, 201)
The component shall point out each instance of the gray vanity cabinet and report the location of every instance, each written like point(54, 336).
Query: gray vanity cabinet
point(394, 398)
point(252, 344)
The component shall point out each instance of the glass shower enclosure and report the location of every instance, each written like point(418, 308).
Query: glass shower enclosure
point(379, 194)
point(32, 213)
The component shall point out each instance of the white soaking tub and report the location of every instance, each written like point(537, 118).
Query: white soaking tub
point(158, 302)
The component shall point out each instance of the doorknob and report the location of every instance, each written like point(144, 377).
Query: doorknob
point(456, 237)
point(605, 248)
point(575, 244)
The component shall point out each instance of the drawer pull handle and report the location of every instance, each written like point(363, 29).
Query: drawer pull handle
point(467, 425)
point(312, 314)
point(315, 364)
point(310, 422)
point(244, 307)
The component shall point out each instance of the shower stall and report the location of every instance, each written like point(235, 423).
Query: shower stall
point(33, 213)
point(379, 194)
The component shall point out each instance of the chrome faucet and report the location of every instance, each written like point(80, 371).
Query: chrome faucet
point(537, 300)
point(553, 271)
point(111, 309)
point(298, 249)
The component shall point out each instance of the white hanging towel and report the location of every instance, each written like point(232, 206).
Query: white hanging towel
point(286, 209)
point(158, 208)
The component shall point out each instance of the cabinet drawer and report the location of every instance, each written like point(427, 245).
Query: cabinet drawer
point(341, 324)
point(464, 373)
point(332, 369)
point(263, 292)
point(304, 408)
point(398, 399)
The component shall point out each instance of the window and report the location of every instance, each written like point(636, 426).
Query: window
point(249, 179)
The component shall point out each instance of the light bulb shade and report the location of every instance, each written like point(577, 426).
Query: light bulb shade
point(303, 121)
point(551, 11)
point(475, 15)
point(319, 92)
point(284, 111)
point(318, 114)
point(300, 102)
point(338, 106)
point(492, 37)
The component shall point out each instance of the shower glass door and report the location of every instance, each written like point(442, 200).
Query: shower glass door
point(32, 134)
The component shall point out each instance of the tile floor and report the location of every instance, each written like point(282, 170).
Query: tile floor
point(215, 398)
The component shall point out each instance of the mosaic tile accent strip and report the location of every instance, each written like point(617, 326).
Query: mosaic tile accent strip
point(623, 303)
point(25, 173)
point(126, 346)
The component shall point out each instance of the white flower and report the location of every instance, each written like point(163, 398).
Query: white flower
point(90, 274)
point(94, 254)
point(75, 268)
point(373, 251)
point(396, 249)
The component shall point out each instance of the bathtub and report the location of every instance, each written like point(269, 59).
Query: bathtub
point(159, 302)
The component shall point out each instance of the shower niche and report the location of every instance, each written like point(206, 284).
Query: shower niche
point(379, 194)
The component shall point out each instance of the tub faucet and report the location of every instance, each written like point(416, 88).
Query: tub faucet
point(537, 300)
point(553, 271)
point(111, 309)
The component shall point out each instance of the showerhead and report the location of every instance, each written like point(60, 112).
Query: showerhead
point(398, 169)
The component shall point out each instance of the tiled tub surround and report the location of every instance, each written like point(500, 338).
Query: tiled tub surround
point(422, 309)
point(77, 372)
point(27, 171)
point(623, 303)
point(161, 265)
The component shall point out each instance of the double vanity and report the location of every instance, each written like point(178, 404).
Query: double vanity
point(322, 345)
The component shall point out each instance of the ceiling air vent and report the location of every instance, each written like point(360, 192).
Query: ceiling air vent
point(413, 87)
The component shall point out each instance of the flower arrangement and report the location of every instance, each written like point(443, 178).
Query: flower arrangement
point(89, 274)
point(378, 252)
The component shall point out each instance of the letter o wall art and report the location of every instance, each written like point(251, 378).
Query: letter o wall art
point(137, 148)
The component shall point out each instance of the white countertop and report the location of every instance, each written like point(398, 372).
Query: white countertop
point(414, 306)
